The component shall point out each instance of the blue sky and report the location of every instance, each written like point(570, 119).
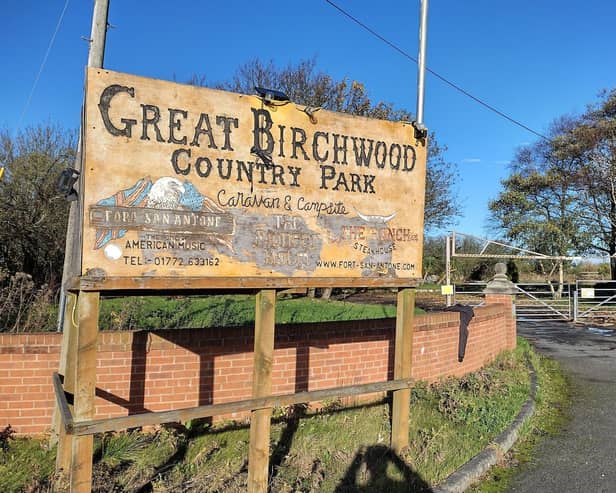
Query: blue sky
point(534, 60)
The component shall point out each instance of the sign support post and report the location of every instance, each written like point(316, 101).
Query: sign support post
point(260, 419)
point(403, 348)
point(85, 389)
point(68, 354)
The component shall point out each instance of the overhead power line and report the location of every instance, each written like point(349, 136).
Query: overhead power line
point(38, 75)
point(435, 74)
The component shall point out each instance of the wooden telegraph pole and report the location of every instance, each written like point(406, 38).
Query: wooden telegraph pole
point(79, 315)
point(96, 55)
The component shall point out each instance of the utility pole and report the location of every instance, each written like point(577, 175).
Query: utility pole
point(421, 63)
point(72, 259)
point(98, 35)
point(72, 254)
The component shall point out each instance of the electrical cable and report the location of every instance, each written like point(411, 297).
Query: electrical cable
point(38, 76)
point(436, 74)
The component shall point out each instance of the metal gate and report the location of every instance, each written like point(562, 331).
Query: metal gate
point(587, 301)
point(535, 302)
point(595, 301)
point(541, 302)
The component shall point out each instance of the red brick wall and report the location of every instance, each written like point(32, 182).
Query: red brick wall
point(170, 369)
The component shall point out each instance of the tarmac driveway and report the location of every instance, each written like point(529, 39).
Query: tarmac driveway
point(583, 457)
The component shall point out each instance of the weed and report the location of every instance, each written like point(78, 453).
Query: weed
point(5, 436)
point(163, 451)
point(121, 448)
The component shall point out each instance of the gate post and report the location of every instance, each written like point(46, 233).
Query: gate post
point(501, 291)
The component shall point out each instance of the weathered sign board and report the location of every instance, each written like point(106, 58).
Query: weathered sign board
point(183, 182)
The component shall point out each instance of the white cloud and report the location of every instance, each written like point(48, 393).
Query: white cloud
point(471, 160)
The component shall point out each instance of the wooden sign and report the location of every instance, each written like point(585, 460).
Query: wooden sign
point(229, 190)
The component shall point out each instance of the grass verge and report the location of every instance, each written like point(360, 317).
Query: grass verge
point(551, 415)
point(158, 312)
point(337, 449)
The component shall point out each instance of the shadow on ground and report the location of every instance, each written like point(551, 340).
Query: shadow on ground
point(373, 470)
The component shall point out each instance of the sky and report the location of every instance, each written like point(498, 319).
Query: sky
point(534, 60)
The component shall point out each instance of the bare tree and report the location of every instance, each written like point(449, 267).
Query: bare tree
point(304, 84)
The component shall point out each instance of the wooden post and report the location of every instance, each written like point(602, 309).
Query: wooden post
point(98, 34)
point(68, 353)
point(402, 368)
point(85, 388)
point(72, 249)
point(258, 454)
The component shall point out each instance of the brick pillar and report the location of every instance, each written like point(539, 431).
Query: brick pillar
point(501, 291)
